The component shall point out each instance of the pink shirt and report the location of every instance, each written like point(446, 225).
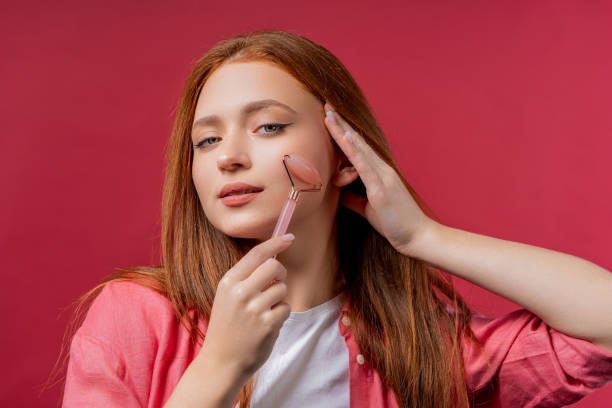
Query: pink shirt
point(131, 352)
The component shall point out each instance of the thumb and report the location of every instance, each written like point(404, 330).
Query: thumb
point(354, 202)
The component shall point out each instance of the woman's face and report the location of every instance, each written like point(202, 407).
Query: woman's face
point(248, 146)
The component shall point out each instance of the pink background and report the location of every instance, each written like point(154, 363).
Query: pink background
point(498, 113)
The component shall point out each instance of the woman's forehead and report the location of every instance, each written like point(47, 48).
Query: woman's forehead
point(235, 84)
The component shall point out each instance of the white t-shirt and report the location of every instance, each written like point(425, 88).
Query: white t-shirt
point(308, 365)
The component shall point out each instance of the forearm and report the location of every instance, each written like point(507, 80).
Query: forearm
point(206, 384)
point(569, 293)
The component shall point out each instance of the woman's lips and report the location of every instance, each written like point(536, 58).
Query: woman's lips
point(236, 200)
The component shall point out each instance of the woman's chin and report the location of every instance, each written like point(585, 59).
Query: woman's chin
point(249, 230)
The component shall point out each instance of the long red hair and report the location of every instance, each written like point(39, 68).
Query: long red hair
point(398, 304)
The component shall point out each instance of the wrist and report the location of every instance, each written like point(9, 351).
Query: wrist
point(229, 378)
point(206, 383)
point(424, 238)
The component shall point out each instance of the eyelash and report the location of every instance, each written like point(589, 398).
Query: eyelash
point(281, 127)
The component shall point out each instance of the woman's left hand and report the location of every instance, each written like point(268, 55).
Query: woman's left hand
point(389, 207)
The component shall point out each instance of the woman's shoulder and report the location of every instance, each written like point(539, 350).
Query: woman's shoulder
point(128, 348)
point(127, 310)
point(130, 292)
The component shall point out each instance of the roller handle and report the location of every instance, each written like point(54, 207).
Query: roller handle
point(284, 219)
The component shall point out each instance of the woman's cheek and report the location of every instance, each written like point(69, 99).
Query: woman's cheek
point(199, 181)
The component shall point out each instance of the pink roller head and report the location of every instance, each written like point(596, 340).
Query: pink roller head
point(303, 169)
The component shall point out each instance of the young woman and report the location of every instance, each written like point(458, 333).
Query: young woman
point(356, 309)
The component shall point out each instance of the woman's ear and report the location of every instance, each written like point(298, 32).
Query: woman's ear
point(345, 173)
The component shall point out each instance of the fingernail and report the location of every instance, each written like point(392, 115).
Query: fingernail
point(348, 137)
point(332, 119)
point(288, 237)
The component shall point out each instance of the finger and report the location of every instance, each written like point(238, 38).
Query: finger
point(255, 257)
point(365, 160)
point(359, 142)
point(269, 271)
point(360, 162)
point(271, 296)
point(354, 202)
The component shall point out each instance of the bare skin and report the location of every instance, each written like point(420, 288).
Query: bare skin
point(241, 148)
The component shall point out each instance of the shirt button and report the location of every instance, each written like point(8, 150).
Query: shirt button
point(360, 359)
point(346, 321)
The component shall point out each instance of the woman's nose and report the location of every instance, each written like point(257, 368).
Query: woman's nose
point(233, 154)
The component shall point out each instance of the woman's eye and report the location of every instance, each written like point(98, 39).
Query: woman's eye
point(277, 126)
point(199, 145)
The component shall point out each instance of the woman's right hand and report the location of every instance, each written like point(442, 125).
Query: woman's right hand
point(248, 310)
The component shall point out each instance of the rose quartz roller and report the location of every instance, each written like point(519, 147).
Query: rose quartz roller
point(305, 171)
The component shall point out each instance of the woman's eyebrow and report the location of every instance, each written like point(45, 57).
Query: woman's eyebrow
point(247, 109)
